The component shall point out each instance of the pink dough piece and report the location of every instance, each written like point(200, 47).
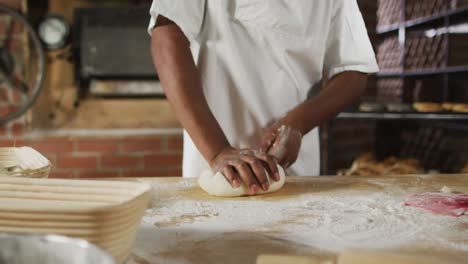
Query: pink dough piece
point(440, 203)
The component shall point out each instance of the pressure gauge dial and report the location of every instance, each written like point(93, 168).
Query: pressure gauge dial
point(54, 31)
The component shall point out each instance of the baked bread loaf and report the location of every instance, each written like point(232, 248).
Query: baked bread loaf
point(371, 107)
point(428, 107)
point(460, 108)
point(367, 165)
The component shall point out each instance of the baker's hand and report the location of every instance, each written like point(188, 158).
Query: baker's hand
point(248, 166)
point(282, 142)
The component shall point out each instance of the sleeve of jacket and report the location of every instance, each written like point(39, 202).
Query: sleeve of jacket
point(187, 14)
point(348, 47)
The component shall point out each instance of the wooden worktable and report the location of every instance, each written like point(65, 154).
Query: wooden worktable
point(185, 225)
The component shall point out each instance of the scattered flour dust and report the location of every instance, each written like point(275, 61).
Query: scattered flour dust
point(373, 220)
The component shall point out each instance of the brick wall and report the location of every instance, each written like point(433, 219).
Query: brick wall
point(101, 156)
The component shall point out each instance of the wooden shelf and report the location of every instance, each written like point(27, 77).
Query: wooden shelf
point(388, 29)
point(422, 72)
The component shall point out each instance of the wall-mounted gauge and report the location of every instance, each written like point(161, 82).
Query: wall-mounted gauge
point(54, 31)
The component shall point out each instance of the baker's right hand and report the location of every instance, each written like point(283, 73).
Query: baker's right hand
point(248, 166)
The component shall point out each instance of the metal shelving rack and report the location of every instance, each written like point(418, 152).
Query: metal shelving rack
point(404, 116)
point(443, 20)
point(424, 72)
point(451, 14)
point(457, 121)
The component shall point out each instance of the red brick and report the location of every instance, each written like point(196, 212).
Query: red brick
point(145, 173)
point(102, 146)
point(53, 146)
point(77, 162)
point(161, 160)
point(52, 158)
point(175, 143)
point(151, 144)
point(17, 129)
point(122, 161)
point(12, 143)
point(63, 175)
point(98, 174)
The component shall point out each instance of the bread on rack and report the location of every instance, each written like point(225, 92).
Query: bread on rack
point(460, 108)
point(367, 165)
point(404, 167)
point(398, 107)
point(447, 106)
point(371, 107)
point(426, 107)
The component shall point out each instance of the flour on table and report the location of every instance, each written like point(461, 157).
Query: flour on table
point(373, 220)
point(446, 189)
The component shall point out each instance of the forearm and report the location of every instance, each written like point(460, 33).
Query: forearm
point(182, 85)
point(341, 91)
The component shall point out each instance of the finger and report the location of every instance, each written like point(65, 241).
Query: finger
point(278, 151)
point(220, 165)
point(246, 152)
point(271, 165)
point(284, 161)
point(287, 163)
point(283, 135)
point(279, 147)
point(243, 169)
point(232, 177)
point(266, 142)
point(264, 145)
point(259, 170)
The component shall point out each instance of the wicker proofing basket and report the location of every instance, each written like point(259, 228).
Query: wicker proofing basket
point(12, 163)
point(105, 213)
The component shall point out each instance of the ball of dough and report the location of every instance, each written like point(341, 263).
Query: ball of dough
point(215, 184)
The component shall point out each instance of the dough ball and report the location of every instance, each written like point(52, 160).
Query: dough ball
point(215, 184)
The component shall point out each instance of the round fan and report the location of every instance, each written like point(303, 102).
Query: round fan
point(22, 65)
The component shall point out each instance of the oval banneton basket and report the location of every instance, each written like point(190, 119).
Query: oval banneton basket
point(23, 162)
point(105, 213)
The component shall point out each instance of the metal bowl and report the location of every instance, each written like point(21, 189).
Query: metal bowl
point(50, 249)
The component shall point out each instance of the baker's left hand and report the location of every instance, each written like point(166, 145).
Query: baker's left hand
point(282, 142)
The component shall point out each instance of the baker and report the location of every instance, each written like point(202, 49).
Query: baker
point(238, 74)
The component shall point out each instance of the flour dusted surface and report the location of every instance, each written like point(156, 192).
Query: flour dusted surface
point(352, 219)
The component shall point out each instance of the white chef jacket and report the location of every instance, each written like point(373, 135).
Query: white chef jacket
point(259, 59)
